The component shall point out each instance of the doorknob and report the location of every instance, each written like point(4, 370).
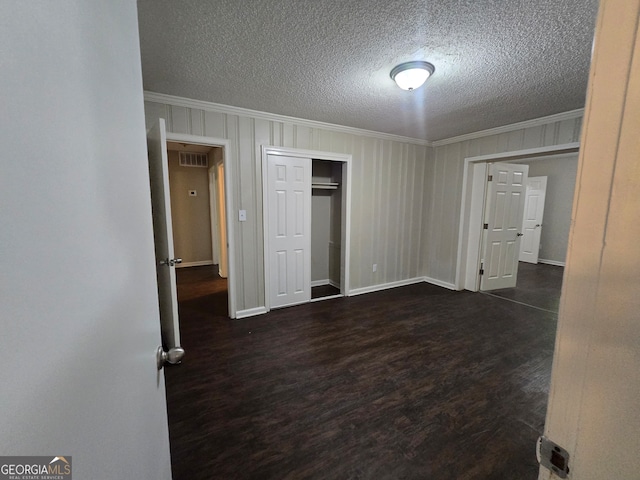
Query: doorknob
point(519, 234)
point(170, 262)
point(538, 225)
point(172, 357)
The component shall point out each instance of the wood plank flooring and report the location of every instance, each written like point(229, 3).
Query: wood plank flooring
point(324, 291)
point(538, 285)
point(416, 382)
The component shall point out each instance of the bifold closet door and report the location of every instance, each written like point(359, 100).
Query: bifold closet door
point(289, 230)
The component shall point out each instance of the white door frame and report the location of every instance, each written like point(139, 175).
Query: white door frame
point(213, 215)
point(468, 247)
point(224, 144)
point(346, 209)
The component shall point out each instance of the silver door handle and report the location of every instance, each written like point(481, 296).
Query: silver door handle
point(170, 262)
point(172, 357)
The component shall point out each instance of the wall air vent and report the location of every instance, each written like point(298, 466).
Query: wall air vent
point(190, 159)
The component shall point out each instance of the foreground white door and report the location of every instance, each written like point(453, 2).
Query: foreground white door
point(288, 230)
point(594, 407)
point(79, 316)
point(532, 219)
point(163, 234)
point(503, 220)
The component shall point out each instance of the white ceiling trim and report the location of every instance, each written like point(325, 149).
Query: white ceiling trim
point(511, 127)
point(230, 110)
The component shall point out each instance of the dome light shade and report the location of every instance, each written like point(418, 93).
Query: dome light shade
point(412, 75)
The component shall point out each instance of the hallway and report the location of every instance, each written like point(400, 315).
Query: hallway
point(414, 382)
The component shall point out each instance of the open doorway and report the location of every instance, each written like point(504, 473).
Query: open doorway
point(560, 172)
point(474, 200)
point(545, 239)
point(196, 183)
point(326, 228)
point(203, 235)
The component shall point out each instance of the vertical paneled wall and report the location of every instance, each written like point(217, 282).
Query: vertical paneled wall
point(388, 197)
point(445, 189)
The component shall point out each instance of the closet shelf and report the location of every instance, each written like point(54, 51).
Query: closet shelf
point(325, 185)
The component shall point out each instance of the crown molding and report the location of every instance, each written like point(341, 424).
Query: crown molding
point(511, 127)
point(230, 110)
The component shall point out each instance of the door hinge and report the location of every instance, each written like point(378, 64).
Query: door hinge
point(486, 226)
point(552, 456)
point(482, 269)
point(490, 178)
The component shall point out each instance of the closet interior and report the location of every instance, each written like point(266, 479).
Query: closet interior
point(326, 228)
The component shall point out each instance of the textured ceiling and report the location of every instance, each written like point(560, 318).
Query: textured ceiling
point(497, 61)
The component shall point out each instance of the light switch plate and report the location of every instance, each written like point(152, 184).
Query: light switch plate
point(242, 215)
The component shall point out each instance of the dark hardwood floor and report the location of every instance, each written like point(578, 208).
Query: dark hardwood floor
point(416, 382)
point(538, 285)
point(324, 291)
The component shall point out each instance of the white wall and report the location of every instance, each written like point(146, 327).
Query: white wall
point(79, 318)
point(388, 178)
point(561, 180)
point(191, 216)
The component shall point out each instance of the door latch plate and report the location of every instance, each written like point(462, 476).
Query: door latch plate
point(553, 456)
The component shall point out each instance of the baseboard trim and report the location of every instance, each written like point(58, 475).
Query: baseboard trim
point(440, 283)
point(201, 263)
point(334, 284)
point(551, 262)
point(251, 312)
point(384, 286)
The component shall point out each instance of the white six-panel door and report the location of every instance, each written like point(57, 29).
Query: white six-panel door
point(163, 234)
point(532, 219)
point(289, 228)
point(503, 218)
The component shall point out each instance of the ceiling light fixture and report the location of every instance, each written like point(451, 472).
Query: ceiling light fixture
point(411, 75)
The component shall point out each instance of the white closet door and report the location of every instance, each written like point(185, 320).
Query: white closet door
point(289, 230)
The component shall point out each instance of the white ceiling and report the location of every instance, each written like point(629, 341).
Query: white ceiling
point(497, 61)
